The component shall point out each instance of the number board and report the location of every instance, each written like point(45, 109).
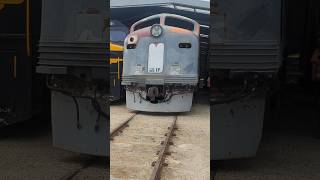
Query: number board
point(156, 56)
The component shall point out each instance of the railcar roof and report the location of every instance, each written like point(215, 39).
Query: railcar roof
point(199, 4)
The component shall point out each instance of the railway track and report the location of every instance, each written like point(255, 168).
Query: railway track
point(121, 127)
point(139, 126)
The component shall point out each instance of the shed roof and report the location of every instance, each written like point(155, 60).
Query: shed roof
point(198, 4)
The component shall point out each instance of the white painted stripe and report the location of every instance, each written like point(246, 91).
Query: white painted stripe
point(155, 60)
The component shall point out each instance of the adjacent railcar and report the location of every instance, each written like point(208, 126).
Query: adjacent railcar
point(116, 62)
point(118, 33)
point(160, 68)
point(73, 56)
point(22, 92)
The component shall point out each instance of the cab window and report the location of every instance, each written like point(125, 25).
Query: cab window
point(147, 23)
point(179, 23)
point(117, 36)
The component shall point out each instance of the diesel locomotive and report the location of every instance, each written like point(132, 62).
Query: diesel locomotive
point(245, 57)
point(161, 63)
point(73, 48)
point(256, 48)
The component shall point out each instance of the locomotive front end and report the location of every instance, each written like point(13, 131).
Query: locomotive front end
point(160, 69)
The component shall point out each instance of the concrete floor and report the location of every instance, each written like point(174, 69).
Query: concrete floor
point(283, 156)
point(26, 152)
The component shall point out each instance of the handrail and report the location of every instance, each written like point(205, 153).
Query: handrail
point(163, 16)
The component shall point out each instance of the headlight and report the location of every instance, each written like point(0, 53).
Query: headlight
point(156, 30)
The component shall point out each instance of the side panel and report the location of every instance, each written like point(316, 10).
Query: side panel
point(74, 34)
point(246, 20)
point(66, 133)
point(236, 128)
point(73, 53)
point(246, 35)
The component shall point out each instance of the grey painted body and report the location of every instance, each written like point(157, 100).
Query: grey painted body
point(72, 51)
point(137, 59)
point(236, 128)
point(246, 35)
point(135, 65)
point(73, 20)
point(66, 135)
point(73, 33)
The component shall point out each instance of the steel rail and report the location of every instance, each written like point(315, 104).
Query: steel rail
point(156, 174)
point(121, 127)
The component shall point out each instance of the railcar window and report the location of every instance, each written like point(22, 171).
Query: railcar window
point(147, 23)
point(179, 23)
point(116, 36)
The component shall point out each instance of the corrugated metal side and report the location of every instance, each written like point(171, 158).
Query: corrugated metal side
point(73, 54)
point(245, 56)
point(129, 80)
